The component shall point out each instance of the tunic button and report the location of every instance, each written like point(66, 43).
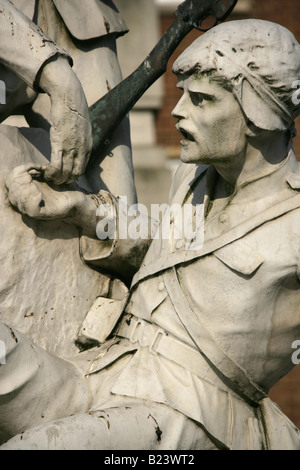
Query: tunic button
point(223, 218)
point(179, 244)
point(161, 286)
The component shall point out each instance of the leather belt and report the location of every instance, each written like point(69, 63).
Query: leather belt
point(158, 341)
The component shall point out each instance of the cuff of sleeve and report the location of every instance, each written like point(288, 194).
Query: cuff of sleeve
point(93, 250)
point(116, 254)
point(55, 54)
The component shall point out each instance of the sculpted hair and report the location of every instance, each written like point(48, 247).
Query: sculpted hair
point(258, 61)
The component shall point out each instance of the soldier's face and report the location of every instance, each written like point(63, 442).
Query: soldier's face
point(210, 120)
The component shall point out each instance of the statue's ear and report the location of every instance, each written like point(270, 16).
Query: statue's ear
point(256, 108)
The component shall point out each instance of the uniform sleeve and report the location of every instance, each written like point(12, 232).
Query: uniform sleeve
point(118, 248)
point(24, 48)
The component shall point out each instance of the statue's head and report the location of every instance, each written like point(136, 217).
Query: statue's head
point(256, 62)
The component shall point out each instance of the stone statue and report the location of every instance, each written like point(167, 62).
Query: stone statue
point(22, 240)
point(87, 31)
point(207, 328)
point(49, 69)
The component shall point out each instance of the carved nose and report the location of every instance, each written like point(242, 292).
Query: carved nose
point(180, 109)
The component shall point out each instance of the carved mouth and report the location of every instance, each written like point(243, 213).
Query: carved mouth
point(186, 135)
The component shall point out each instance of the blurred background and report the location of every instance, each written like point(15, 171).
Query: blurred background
point(154, 138)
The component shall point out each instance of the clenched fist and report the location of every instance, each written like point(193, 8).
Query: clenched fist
point(37, 199)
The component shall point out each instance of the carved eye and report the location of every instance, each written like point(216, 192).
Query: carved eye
point(198, 98)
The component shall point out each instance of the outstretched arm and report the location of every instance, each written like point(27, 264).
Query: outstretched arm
point(102, 219)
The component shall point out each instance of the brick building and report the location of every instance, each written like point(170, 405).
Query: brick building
point(287, 392)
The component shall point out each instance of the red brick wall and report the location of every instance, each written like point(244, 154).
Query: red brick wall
point(286, 392)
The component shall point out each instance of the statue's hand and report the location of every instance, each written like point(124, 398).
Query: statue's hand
point(38, 199)
point(71, 131)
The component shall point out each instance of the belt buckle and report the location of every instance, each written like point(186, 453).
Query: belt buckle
point(156, 340)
